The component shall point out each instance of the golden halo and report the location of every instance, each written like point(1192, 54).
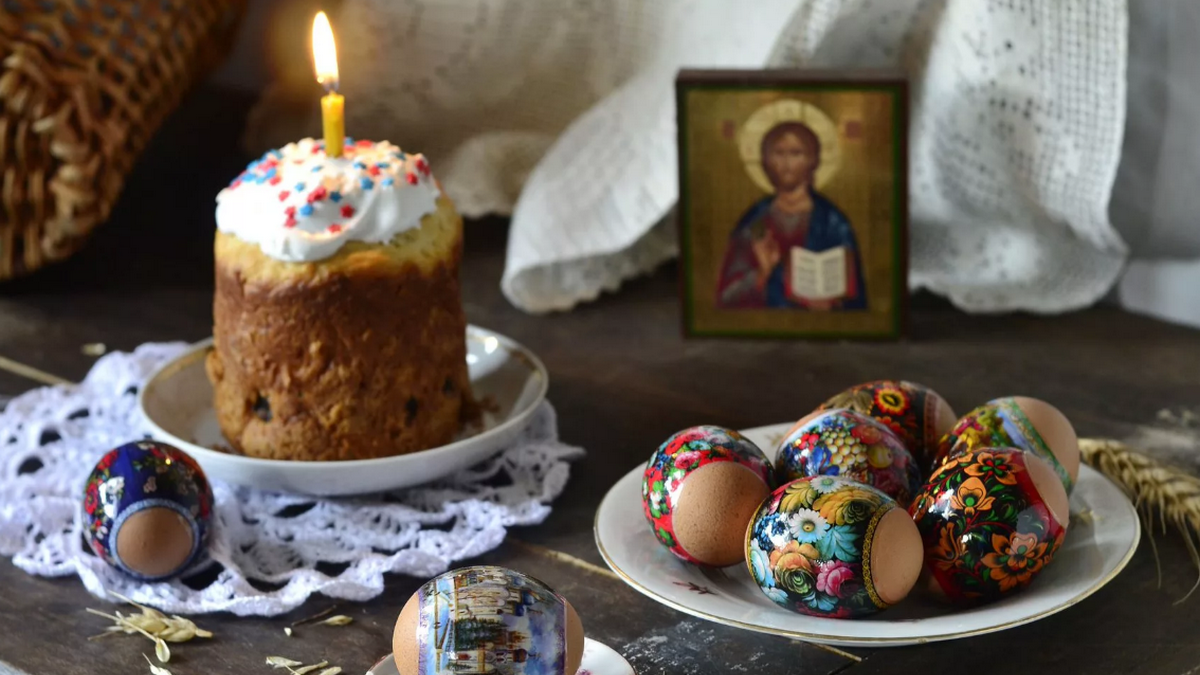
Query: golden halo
point(789, 110)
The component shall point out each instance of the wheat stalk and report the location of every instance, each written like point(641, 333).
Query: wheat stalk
point(1161, 493)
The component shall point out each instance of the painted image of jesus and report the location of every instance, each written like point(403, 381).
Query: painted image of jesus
point(793, 249)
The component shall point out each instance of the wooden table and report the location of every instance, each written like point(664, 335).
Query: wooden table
point(622, 379)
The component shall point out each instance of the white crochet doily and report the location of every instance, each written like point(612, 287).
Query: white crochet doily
point(267, 552)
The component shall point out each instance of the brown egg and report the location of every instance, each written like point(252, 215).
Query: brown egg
point(827, 546)
point(155, 542)
point(991, 520)
point(1017, 422)
point(700, 489)
point(914, 412)
point(479, 618)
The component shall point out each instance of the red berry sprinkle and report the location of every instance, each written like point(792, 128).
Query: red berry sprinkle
point(347, 211)
point(412, 179)
point(373, 170)
point(290, 211)
point(335, 228)
point(317, 194)
point(290, 222)
point(275, 180)
point(364, 143)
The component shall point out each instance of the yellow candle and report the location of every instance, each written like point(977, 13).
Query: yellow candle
point(333, 121)
point(332, 104)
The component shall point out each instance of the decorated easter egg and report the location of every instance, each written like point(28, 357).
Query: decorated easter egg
point(146, 509)
point(487, 619)
point(830, 547)
point(915, 413)
point(990, 521)
point(699, 490)
point(845, 443)
point(1017, 422)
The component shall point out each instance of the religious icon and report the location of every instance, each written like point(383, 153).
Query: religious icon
point(792, 194)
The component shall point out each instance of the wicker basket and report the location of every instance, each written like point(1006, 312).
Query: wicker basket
point(84, 84)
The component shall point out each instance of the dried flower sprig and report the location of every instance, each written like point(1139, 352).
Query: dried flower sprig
point(284, 662)
point(1161, 493)
point(153, 624)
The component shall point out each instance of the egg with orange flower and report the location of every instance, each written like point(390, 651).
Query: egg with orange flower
point(1017, 422)
point(914, 412)
point(827, 546)
point(990, 521)
point(849, 444)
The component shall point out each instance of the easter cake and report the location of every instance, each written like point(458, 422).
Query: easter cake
point(338, 324)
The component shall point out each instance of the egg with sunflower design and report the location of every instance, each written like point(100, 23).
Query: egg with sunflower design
point(918, 415)
point(990, 521)
point(146, 509)
point(699, 490)
point(1017, 422)
point(830, 547)
point(845, 443)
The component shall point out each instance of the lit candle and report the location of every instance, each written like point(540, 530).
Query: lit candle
point(332, 104)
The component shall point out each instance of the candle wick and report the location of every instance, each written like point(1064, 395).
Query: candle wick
point(330, 84)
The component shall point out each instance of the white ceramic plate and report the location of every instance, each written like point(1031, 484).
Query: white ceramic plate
point(1101, 538)
point(598, 659)
point(177, 404)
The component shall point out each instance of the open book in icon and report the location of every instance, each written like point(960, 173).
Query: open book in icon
point(817, 276)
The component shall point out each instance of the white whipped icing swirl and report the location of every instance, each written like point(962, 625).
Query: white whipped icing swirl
point(300, 205)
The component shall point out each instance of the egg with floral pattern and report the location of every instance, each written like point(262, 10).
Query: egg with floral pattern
point(845, 443)
point(830, 547)
point(146, 509)
point(699, 490)
point(990, 521)
point(914, 412)
point(1017, 422)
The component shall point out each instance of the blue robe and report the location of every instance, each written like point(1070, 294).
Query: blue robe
point(827, 228)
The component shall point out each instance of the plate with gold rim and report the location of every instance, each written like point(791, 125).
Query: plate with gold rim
point(1100, 541)
point(598, 659)
point(177, 404)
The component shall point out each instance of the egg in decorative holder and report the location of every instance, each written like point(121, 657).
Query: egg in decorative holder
point(699, 490)
point(146, 509)
point(990, 521)
point(1017, 422)
point(478, 619)
point(831, 547)
point(914, 412)
point(845, 443)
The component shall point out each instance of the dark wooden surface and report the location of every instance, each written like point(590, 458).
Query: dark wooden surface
point(622, 379)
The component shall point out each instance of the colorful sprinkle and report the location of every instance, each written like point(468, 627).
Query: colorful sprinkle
point(364, 143)
point(398, 155)
point(422, 166)
point(299, 187)
point(412, 178)
point(359, 165)
point(290, 222)
point(335, 196)
point(274, 180)
point(366, 184)
point(290, 211)
point(306, 210)
point(317, 168)
point(317, 195)
point(382, 165)
point(374, 171)
point(335, 228)
point(283, 195)
point(388, 182)
point(347, 211)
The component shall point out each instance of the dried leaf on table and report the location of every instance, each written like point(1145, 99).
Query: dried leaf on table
point(338, 620)
point(281, 662)
point(156, 670)
point(308, 669)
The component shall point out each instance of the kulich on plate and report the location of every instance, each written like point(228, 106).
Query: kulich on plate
point(830, 547)
point(699, 491)
point(845, 443)
point(1017, 422)
point(914, 412)
point(146, 509)
point(990, 521)
point(487, 619)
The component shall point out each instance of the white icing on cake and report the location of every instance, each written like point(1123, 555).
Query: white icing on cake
point(300, 205)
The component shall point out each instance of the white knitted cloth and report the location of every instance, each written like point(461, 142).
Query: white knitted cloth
point(563, 114)
point(274, 550)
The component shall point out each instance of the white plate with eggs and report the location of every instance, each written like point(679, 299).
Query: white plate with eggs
point(177, 404)
point(1100, 541)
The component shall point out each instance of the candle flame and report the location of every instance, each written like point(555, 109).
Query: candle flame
point(324, 52)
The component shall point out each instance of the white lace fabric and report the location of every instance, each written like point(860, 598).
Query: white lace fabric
point(274, 550)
